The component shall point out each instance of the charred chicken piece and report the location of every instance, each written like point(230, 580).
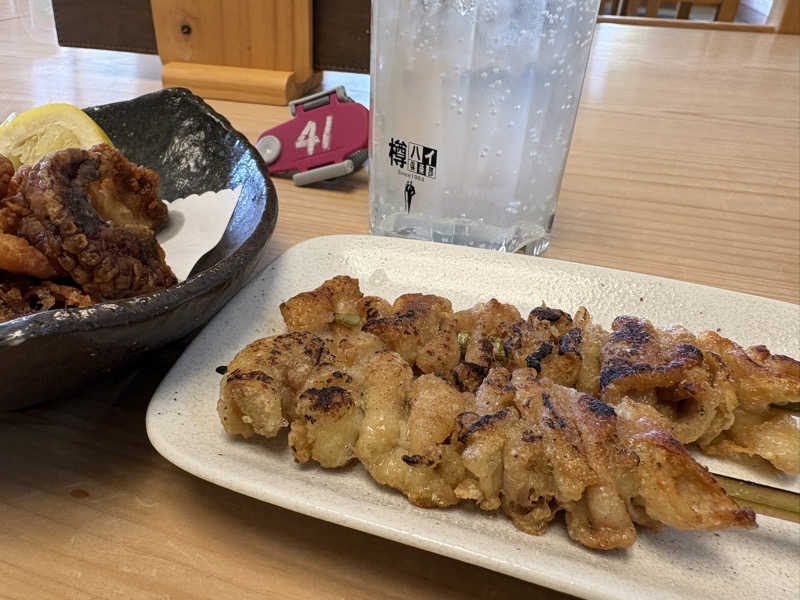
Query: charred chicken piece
point(259, 389)
point(422, 329)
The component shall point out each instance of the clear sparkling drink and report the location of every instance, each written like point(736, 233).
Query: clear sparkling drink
point(473, 106)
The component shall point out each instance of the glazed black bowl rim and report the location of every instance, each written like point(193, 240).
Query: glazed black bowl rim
point(144, 307)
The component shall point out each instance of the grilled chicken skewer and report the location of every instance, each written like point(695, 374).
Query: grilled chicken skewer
point(478, 405)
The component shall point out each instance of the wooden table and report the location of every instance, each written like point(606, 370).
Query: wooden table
point(684, 164)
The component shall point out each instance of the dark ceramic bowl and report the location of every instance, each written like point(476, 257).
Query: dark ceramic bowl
point(193, 149)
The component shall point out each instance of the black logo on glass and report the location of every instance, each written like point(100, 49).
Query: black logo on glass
point(415, 159)
point(409, 192)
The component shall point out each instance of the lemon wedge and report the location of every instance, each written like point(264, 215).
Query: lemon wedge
point(27, 137)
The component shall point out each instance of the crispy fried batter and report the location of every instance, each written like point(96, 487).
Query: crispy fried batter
point(18, 256)
point(125, 193)
point(52, 212)
point(47, 295)
point(12, 300)
point(6, 172)
point(21, 296)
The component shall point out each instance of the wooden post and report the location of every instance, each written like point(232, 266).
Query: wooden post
point(244, 50)
point(785, 16)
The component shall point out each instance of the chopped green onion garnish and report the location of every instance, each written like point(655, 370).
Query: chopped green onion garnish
point(347, 319)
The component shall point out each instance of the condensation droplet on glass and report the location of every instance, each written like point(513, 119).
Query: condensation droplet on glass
point(499, 153)
point(493, 112)
point(517, 107)
point(484, 75)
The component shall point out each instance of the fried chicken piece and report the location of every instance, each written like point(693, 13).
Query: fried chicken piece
point(125, 193)
point(20, 296)
point(18, 256)
point(258, 392)
point(6, 172)
point(51, 210)
point(12, 300)
point(13, 207)
point(48, 295)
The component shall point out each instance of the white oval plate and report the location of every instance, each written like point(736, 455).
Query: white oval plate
point(183, 426)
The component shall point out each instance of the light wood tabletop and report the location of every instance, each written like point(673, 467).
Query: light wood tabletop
point(684, 164)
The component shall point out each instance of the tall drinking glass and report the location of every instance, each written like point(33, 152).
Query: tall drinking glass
point(473, 105)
